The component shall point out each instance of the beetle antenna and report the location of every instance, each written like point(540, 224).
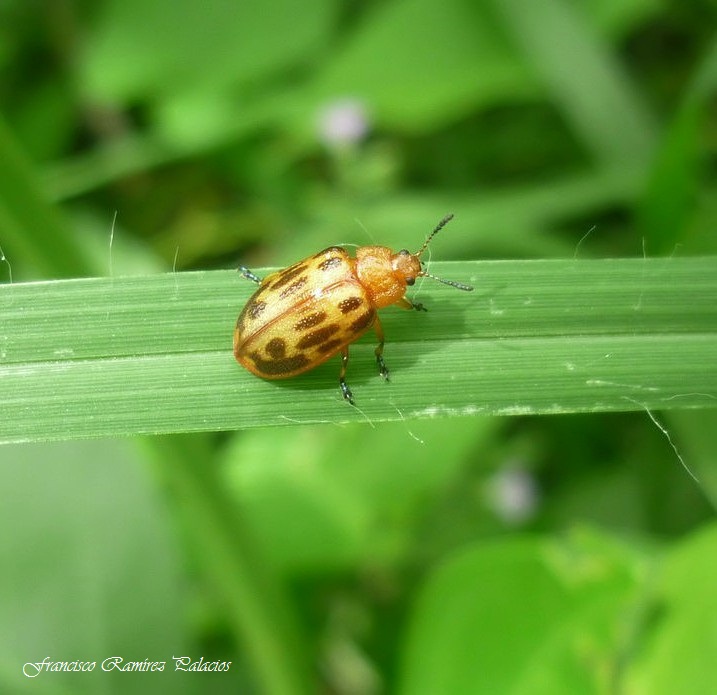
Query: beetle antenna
point(452, 283)
point(438, 228)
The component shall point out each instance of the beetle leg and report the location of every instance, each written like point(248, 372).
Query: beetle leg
point(345, 390)
point(406, 303)
point(249, 275)
point(382, 369)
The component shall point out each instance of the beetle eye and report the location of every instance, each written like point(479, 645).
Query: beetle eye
point(404, 252)
point(410, 281)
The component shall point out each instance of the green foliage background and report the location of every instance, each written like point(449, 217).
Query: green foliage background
point(530, 554)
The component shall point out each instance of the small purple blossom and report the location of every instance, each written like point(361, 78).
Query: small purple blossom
point(513, 495)
point(343, 122)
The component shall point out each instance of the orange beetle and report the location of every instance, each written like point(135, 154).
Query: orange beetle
point(305, 314)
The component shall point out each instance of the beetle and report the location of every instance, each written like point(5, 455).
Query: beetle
point(305, 314)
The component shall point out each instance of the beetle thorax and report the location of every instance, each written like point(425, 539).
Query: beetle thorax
point(384, 274)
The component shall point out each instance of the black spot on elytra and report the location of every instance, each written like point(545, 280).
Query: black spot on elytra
point(286, 276)
point(310, 320)
point(349, 304)
point(321, 335)
point(276, 348)
point(330, 262)
point(363, 321)
point(329, 346)
point(256, 309)
point(286, 365)
point(293, 287)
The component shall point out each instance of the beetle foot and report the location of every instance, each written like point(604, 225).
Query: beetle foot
point(346, 391)
point(245, 272)
point(382, 368)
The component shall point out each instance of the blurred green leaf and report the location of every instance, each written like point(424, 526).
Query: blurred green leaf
point(696, 439)
point(317, 503)
point(678, 655)
point(81, 525)
point(147, 49)
point(668, 206)
point(386, 63)
point(503, 617)
point(501, 223)
point(620, 16)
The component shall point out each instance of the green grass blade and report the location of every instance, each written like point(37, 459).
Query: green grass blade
point(122, 356)
point(30, 227)
point(255, 600)
point(587, 83)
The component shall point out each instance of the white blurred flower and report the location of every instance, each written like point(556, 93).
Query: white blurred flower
point(343, 122)
point(513, 494)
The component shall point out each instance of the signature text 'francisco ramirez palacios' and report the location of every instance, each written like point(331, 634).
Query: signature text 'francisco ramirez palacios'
point(33, 669)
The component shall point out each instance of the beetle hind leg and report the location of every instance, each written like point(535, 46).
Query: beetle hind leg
point(382, 368)
point(345, 390)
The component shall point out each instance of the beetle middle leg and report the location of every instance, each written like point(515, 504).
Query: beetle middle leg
point(345, 390)
point(382, 369)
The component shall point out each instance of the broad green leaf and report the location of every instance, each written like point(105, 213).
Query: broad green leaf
point(450, 57)
point(677, 652)
point(509, 616)
point(317, 502)
point(148, 49)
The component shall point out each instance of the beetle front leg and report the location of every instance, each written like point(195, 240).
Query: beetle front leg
point(382, 369)
point(406, 303)
point(345, 390)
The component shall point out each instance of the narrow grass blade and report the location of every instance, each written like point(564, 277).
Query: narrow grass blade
point(122, 356)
